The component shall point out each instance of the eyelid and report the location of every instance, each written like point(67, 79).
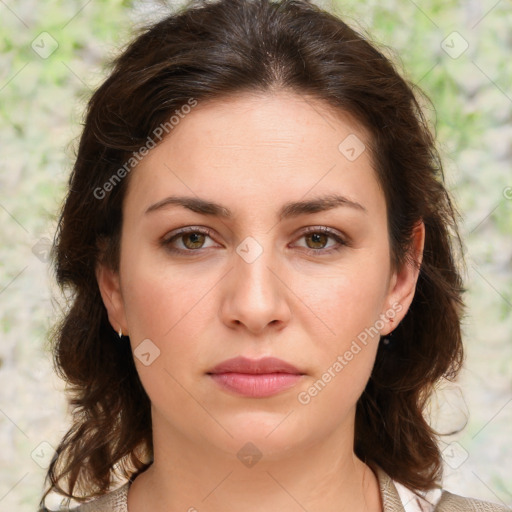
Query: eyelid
point(322, 229)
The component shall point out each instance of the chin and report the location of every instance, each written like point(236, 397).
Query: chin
point(273, 433)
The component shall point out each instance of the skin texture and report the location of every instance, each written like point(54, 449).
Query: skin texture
point(253, 153)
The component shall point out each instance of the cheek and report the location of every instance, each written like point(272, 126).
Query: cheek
point(344, 332)
point(345, 302)
point(158, 297)
point(168, 311)
point(172, 308)
point(345, 354)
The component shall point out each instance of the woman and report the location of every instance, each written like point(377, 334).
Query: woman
point(259, 243)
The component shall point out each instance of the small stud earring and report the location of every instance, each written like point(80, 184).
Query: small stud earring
point(386, 339)
point(120, 333)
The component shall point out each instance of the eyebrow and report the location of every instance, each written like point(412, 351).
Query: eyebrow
point(288, 210)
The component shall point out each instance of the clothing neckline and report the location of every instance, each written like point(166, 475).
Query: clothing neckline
point(395, 497)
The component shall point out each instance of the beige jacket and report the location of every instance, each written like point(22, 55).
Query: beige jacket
point(395, 498)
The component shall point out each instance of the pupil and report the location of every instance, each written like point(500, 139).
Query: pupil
point(195, 238)
point(316, 237)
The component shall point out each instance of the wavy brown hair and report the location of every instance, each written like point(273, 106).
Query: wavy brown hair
point(206, 51)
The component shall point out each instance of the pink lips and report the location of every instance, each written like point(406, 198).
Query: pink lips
point(255, 377)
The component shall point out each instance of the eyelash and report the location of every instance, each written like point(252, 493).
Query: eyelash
point(167, 241)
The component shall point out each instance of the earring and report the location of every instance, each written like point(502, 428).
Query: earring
point(120, 333)
point(386, 339)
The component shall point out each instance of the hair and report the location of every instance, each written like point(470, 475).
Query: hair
point(207, 51)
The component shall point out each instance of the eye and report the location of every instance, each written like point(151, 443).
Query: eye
point(191, 238)
point(317, 238)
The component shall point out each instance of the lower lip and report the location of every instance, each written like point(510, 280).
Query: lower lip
point(256, 385)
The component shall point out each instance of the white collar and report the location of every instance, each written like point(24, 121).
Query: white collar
point(426, 502)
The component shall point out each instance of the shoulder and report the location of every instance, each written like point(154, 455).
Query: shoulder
point(115, 501)
point(454, 503)
point(441, 500)
point(398, 498)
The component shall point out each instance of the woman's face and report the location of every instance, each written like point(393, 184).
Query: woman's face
point(255, 283)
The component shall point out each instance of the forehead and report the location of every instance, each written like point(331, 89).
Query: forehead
point(267, 118)
point(253, 147)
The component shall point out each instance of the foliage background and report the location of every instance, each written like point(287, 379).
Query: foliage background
point(41, 106)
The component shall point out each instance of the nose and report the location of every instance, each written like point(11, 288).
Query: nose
point(255, 294)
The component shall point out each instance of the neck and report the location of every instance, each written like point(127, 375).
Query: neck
point(186, 476)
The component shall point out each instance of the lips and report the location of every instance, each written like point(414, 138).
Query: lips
point(255, 378)
point(265, 365)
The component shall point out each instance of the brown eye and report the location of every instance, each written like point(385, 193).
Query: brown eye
point(196, 240)
point(319, 240)
point(188, 240)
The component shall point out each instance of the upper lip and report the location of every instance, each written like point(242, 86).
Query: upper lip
point(255, 366)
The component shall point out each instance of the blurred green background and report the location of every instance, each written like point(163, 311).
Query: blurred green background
point(53, 54)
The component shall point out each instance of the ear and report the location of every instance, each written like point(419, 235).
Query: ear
point(110, 289)
point(403, 281)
